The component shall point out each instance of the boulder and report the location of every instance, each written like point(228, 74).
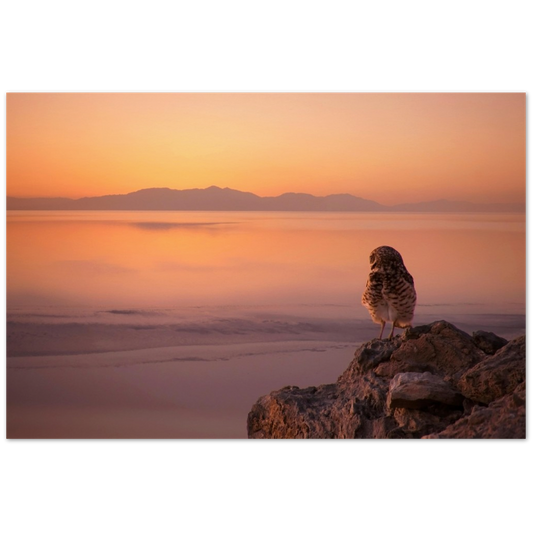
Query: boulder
point(488, 342)
point(414, 390)
point(496, 375)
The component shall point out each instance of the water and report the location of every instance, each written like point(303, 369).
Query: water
point(170, 260)
point(182, 319)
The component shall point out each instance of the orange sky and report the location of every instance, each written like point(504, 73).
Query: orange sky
point(390, 148)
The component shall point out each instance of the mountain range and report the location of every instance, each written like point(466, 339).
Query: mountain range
point(218, 199)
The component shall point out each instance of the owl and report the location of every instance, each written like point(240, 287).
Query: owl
point(390, 294)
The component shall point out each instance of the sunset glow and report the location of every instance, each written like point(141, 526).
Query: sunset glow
point(390, 148)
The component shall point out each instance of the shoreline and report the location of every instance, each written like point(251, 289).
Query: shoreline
point(47, 337)
point(173, 392)
point(192, 391)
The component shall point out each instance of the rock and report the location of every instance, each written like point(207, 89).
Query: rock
point(414, 390)
point(439, 348)
point(503, 419)
point(433, 382)
point(488, 342)
point(496, 375)
point(373, 353)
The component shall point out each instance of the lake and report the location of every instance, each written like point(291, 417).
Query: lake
point(171, 324)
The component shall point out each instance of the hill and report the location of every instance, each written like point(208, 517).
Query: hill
point(218, 199)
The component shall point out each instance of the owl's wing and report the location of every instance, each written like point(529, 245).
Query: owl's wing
point(398, 285)
point(374, 288)
point(407, 277)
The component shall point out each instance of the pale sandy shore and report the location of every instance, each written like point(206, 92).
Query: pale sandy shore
point(201, 391)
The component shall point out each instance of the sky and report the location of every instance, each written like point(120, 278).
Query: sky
point(387, 147)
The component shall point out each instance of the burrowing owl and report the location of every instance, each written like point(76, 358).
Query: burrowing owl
point(390, 290)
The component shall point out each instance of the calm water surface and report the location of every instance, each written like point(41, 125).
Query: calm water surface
point(169, 259)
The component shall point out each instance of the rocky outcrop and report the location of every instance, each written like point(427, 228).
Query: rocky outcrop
point(435, 381)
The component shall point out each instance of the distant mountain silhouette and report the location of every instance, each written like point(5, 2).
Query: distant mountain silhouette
point(217, 199)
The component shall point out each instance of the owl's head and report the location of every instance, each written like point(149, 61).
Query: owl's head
point(385, 256)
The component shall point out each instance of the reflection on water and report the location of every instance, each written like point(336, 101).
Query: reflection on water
point(181, 259)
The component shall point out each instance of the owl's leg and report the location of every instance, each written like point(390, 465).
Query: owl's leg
point(382, 328)
point(392, 330)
